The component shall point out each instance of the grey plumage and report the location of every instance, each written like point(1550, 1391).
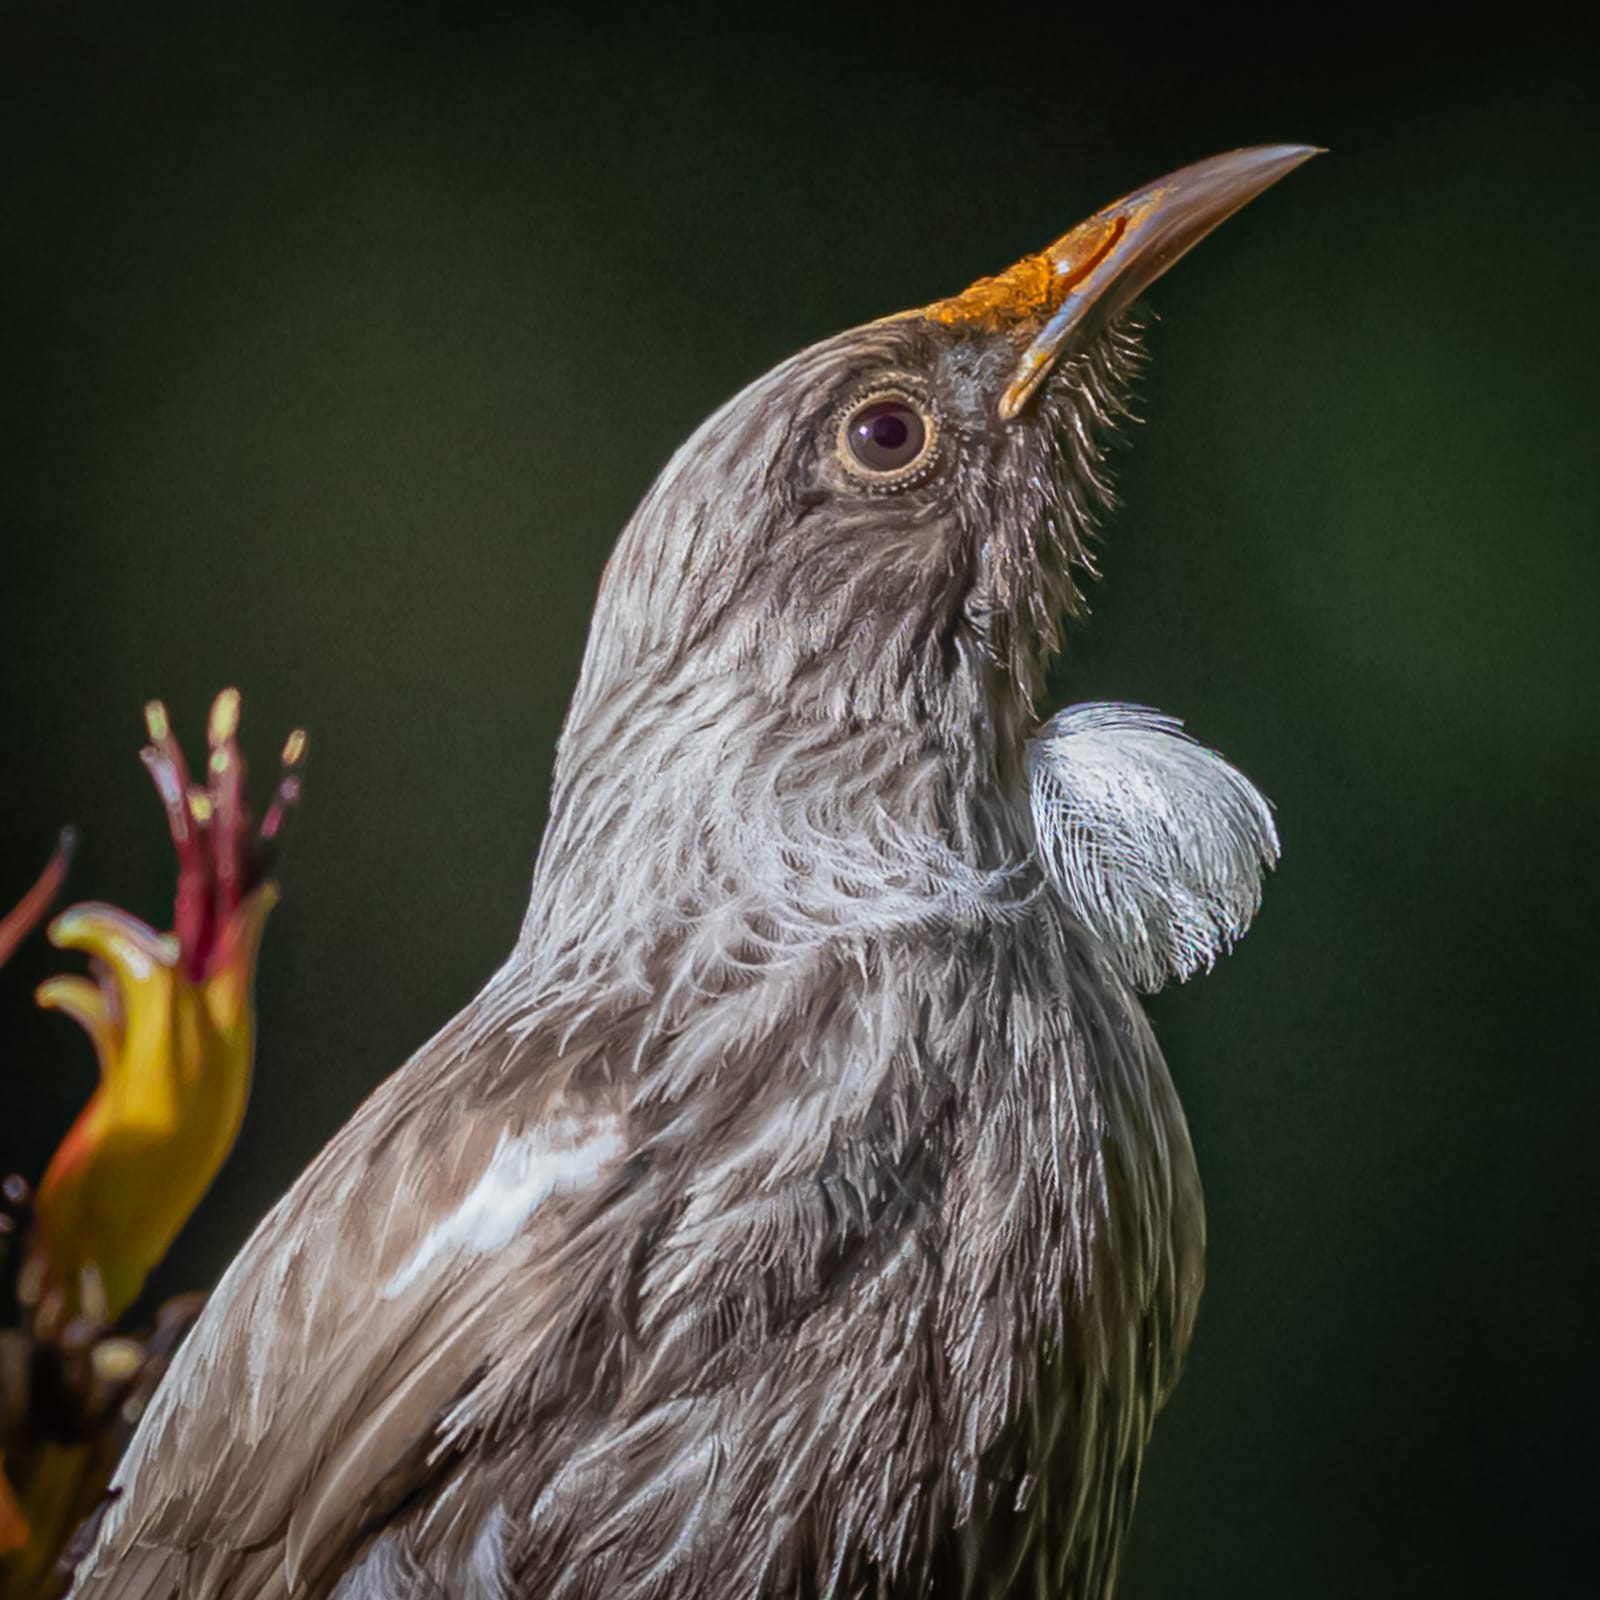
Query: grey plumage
point(804, 1209)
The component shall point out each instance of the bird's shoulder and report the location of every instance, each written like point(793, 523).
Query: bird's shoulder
point(312, 1389)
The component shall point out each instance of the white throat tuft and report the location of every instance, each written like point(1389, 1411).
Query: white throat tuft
point(1157, 845)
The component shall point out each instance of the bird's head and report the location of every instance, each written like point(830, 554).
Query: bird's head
point(887, 525)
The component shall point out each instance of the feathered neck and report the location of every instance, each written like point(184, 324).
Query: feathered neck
point(700, 834)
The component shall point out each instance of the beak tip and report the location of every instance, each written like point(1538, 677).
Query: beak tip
point(1295, 154)
point(1261, 166)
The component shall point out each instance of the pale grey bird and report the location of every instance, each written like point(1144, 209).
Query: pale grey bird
point(804, 1209)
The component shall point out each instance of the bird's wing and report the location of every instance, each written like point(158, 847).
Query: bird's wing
point(307, 1401)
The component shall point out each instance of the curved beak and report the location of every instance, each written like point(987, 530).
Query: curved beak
point(1106, 262)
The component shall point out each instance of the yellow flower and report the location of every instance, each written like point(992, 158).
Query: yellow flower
point(172, 1021)
point(175, 1061)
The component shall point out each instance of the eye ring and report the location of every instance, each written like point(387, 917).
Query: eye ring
point(887, 438)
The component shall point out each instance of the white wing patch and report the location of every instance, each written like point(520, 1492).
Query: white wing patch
point(1157, 845)
point(486, 1577)
point(525, 1170)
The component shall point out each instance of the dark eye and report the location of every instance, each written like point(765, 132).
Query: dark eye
point(887, 439)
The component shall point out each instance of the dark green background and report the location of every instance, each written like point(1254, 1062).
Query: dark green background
point(338, 343)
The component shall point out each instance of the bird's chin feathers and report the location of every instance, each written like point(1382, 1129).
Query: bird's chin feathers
point(1156, 844)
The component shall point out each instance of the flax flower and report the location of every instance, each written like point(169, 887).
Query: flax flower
point(172, 1022)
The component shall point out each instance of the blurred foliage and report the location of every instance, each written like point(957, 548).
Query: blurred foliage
point(342, 339)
